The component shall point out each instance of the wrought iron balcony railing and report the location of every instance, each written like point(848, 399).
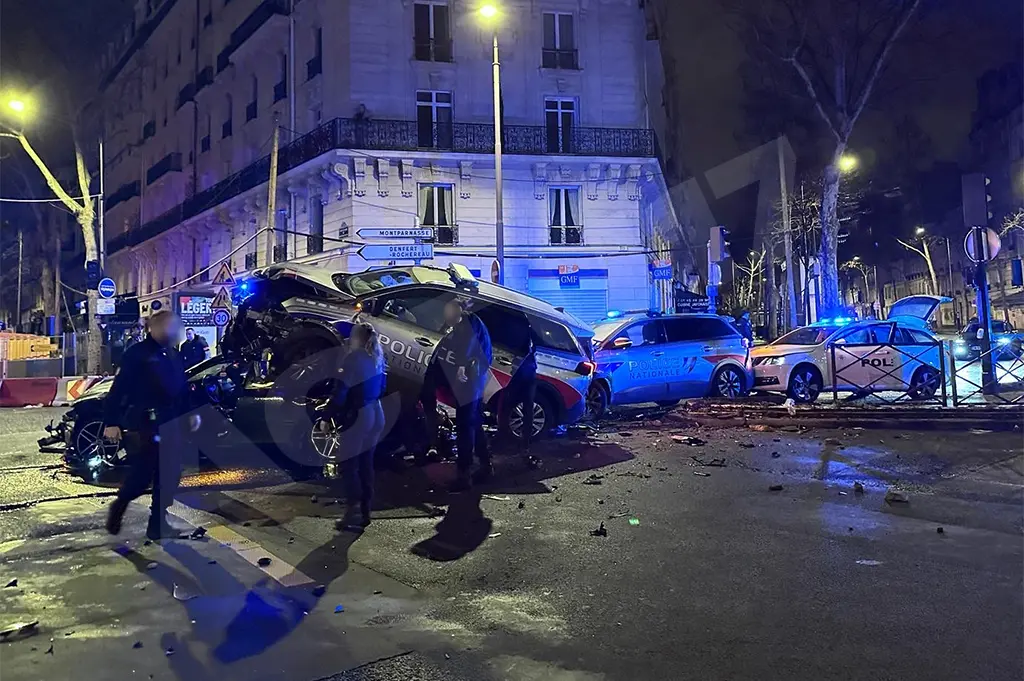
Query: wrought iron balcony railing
point(392, 135)
point(259, 16)
point(169, 163)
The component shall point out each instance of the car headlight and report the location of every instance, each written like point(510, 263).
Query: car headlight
point(1003, 341)
point(769, 361)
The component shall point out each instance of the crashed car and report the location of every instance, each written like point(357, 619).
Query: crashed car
point(649, 357)
point(248, 410)
point(1007, 342)
point(295, 315)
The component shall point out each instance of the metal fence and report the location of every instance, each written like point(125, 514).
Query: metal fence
point(890, 373)
point(1003, 385)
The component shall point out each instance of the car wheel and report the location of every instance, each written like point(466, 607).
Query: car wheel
point(543, 418)
point(804, 384)
point(728, 383)
point(325, 438)
point(90, 447)
point(597, 399)
point(924, 384)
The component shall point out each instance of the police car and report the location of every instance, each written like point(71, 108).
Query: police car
point(647, 357)
point(867, 357)
point(296, 312)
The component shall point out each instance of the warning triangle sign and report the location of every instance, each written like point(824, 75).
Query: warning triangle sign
point(222, 301)
point(224, 276)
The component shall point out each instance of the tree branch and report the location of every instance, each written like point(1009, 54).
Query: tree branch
point(51, 181)
point(812, 93)
point(912, 248)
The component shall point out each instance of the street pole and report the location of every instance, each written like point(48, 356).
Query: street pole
point(102, 251)
point(499, 221)
point(56, 289)
point(272, 196)
point(989, 386)
point(17, 312)
point(292, 83)
point(787, 240)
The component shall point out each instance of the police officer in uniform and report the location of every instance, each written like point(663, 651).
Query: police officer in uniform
point(142, 409)
point(522, 388)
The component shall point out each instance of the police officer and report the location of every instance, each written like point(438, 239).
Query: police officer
point(522, 388)
point(462, 363)
point(744, 326)
point(142, 409)
point(193, 350)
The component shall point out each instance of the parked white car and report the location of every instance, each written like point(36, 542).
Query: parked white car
point(899, 353)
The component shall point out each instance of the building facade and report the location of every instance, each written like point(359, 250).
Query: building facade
point(384, 110)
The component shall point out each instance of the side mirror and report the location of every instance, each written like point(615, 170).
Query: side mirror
point(621, 344)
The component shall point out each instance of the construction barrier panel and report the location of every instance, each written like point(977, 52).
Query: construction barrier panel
point(72, 387)
point(23, 392)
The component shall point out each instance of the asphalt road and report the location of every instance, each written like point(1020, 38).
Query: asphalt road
point(705, 573)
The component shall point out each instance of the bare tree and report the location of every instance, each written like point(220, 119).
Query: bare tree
point(924, 251)
point(83, 208)
point(836, 51)
point(1014, 220)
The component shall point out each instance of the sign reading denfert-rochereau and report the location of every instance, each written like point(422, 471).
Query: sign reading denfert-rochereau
point(195, 309)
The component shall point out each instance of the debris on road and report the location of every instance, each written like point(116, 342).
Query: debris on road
point(760, 428)
point(137, 645)
point(19, 629)
point(319, 590)
point(594, 479)
point(896, 496)
point(182, 594)
point(377, 592)
point(152, 566)
point(339, 608)
point(623, 514)
point(599, 532)
point(634, 521)
point(790, 405)
point(746, 445)
point(494, 535)
point(775, 488)
point(263, 562)
point(494, 497)
point(169, 652)
point(702, 474)
point(832, 441)
point(631, 474)
point(858, 488)
point(865, 561)
point(522, 505)
point(716, 462)
point(197, 533)
point(313, 499)
point(939, 530)
point(49, 651)
point(775, 455)
point(689, 440)
point(12, 583)
point(979, 431)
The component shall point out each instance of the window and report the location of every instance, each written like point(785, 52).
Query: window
point(250, 260)
point(559, 119)
point(424, 308)
point(204, 143)
point(644, 333)
point(434, 119)
point(281, 87)
point(559, 42)
point(856, 337)
point(315, 238)
point(564, 212)
point(225, 128)
point(509, 329)
point(552, 336)
point(315, 65)
point(432, 32)
point(698, 329)
point(437, 211)
point(250, 108)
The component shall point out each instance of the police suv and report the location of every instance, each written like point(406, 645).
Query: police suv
point(899, 353)
point(647, 357)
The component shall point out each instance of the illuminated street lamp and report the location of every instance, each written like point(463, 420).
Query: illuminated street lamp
point(17, 105)
point(919, 231)
point(848, 163)
point(489, 14)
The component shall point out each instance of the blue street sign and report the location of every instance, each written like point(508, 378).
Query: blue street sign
point(107, 288)
point(397, 252)
point(569, 280)
point(661, 273)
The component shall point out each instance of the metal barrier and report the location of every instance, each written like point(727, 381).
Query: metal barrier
point(1004, 386)
point(892, 373)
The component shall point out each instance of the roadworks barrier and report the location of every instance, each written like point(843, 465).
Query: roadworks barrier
point(28, 392)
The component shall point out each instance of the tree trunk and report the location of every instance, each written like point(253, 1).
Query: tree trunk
point(46, 285)
point(773, 289)
point(94, 340)
point(931, 269)
point(828, 276)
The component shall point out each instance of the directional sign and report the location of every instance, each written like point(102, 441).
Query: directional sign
point(411, 233)
point(221, 317)
point(224, 276)
point(222, 301)
point(107, 288)
point(397, 252)
point(105, 306)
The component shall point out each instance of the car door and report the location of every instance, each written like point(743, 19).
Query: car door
point(688, 364)
point(859, 361)
point(637, 363)
point(510, 341)
point(410, 323)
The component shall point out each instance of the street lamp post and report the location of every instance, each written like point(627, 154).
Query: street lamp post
point(490, 13)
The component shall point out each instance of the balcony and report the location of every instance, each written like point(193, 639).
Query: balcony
point(204, 144)
point(204, 78)
point(168, 164)
point(280, 91)
point(148, 130)
point(268, 16)
point(224, 58)
point(385, 135)
point(429, 49)
point(185, 95)
point(314, 67)
point(250, 111)
point(126, 191)
point(560, 59)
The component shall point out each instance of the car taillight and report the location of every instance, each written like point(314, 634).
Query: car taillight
point(585, 368)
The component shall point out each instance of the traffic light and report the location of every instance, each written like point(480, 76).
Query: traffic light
point(718, 248)
point(976, 200)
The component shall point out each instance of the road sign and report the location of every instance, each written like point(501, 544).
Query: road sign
point(222, 301)
point(224, 276)
point(107, 288)
point(397, 252)
point(221, 317)
point(155, 305)
point(990, 244)
point(104, 306)
point(401, 233)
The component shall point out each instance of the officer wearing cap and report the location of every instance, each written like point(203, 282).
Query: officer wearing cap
point(143, 410)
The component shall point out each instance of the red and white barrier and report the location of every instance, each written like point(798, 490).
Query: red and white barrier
point(24, 392)
point(71, 388)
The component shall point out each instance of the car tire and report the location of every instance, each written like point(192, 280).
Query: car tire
point(598, 398)
point(728, 383)
point(510, 420)
point(924, 384)
point(805, 384)
point(87, 441)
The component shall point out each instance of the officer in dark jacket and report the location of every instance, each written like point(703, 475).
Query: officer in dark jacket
point(143, 409)
point(744, 327)
point(193, 350)
point(522, 338)
point(462, 364)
